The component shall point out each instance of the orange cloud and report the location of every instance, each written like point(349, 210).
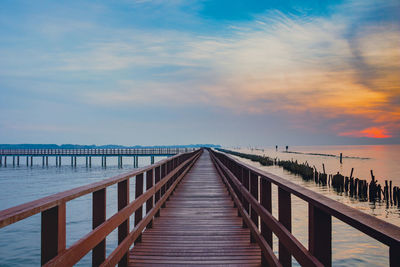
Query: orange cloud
point(372, 132)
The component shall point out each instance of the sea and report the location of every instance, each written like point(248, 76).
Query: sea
point(350, 247)
point(20, 242)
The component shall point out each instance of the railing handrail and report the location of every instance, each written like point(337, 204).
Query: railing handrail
point(20, 212)
point(384, 232)
point(302, 255)
point(250, 189)
point(75, 252)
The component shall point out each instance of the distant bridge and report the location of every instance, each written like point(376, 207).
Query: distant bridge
point(15, 154)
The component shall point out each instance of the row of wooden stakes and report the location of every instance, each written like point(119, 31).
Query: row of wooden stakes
point(354, 187)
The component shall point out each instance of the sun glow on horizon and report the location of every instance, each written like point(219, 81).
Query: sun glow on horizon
point(372, 132)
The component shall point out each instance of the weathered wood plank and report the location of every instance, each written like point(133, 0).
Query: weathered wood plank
point(198, 226)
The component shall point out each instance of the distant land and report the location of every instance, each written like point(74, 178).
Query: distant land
point(71, 146)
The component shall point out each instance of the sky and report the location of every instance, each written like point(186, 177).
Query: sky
point(235, 73)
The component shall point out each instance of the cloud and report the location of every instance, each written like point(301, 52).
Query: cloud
point(341, 68)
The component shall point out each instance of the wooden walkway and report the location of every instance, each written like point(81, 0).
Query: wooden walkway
point(199, 226)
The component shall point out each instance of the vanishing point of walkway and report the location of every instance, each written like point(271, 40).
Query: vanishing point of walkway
point(199, 226)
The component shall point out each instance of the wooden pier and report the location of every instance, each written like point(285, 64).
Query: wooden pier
point(199, 226)
point(201, 208)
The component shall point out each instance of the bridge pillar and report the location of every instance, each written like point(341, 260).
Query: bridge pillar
point(86, 161)
point(5, 161)
point(27, 161)
point(43, 161)
point(59, 161)
point(31, 161)
point(90, 162)
point(152, 159)
point(18, 161)
point(13, 161)
point(1, 158)
point(47, 160)
point(105, 161)
point(75, 161)
point(56, 161)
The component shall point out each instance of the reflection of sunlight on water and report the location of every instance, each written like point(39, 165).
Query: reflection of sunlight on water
point(350, 247)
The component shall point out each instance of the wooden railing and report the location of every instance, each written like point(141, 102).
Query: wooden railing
point(161, 180)
point(96, 151)
point(250, 189)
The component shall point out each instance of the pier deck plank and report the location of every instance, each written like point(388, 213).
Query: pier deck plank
point(198, 226)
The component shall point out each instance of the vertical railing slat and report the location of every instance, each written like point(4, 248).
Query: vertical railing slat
point(320, 235)
point(123, 229)
point(254, 193)
point(138, 193)
point(266, 202)
point(285, 217)
point(149, 202)
point(99, 216)
point(53, 237)
point(158, 193)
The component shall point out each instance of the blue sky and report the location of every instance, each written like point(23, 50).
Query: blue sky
point(179, 72)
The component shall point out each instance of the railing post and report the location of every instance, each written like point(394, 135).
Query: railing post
point(394, 255)
point(158, 193)
point(246, 183)
point(53, 237)
point(149, 202)
point(285, 217)
point(99, 216)
point(320, 235)
point(163, 174)
point(254, 193)
point(123, 229)
point(138, 193)
point(266, 202)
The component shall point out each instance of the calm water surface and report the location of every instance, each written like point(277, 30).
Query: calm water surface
point(350, 247)
point(20, 242)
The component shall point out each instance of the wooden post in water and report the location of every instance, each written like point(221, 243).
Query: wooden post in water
point(341, 158)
